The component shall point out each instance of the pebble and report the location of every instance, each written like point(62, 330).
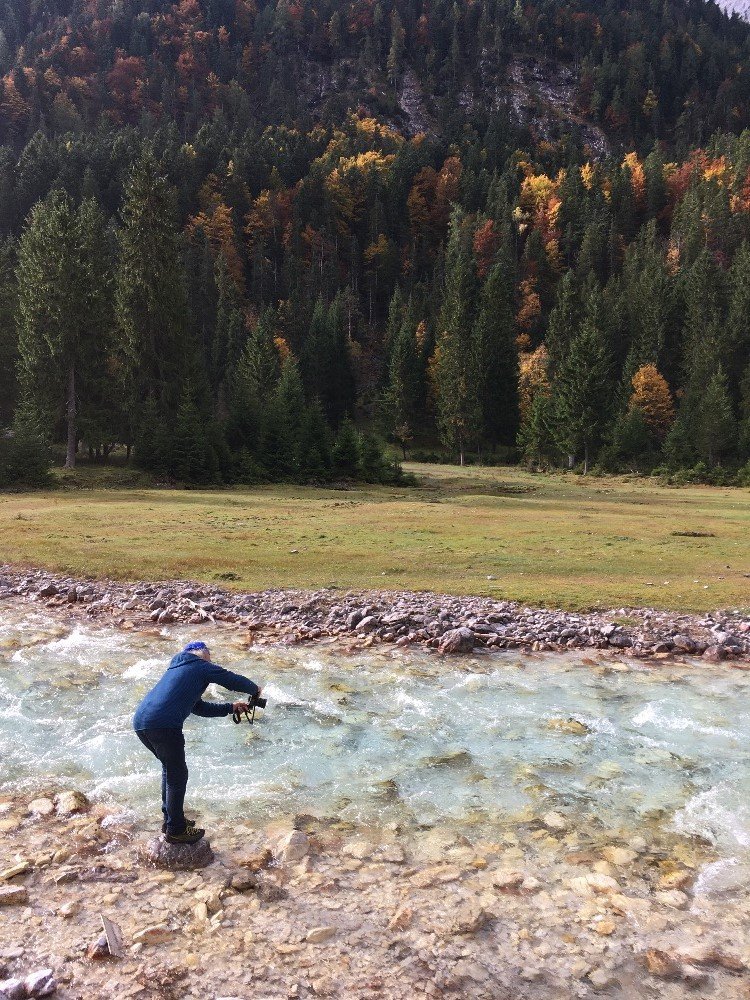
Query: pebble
point(13, 895)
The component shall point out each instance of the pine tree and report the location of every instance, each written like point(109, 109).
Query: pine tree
point(150, 299)
point(8, 333)
point(582, 388)
point(738, 320)
point(563, 321)
point(537, 434)
point(715, 426)
point(494, 337)
point(455, 363)
point(347, 451)
point(188, 452)
point(63, 316)
point(403, 400)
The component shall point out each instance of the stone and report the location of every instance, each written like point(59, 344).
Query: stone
point(673, 898)
point(41, 807)
point(457, 640)
point(13, 895)
point(393, 854)
point(468, 919)
point(360, 849)
point(586, 885)
point(291, 846)
point(257, 862)
point(70, 802)
point(369, 624)
point(177, 857)
point(401, 919)
point(18, 869)
point(69, 909)
point(605, 927)
point(12, 989)
point(554, 821)
point(318, 935)
point(714, 654)
point(621, 857)
point(40, 984)
point(48, 590)
point(155, 934)
point(676, 880)
point(571, 726)
point(244, 882)
point(507, 880)
point(600, 979)
point(662, 965)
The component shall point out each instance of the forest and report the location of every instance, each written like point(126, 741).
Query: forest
point(246, 242)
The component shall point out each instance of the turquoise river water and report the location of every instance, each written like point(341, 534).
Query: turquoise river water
point(381, 736)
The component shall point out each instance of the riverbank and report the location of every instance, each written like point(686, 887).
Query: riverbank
point(447, 624)
point(313, 907)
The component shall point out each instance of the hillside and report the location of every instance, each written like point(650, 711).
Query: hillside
point(230, 230)
point(678, 74)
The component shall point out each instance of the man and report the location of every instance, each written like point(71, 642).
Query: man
point(158, 725)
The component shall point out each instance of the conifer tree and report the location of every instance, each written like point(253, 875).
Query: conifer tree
point(494, 337)
point(715, 426)
point(582, 387)
point(563, 321)
point(455, 363)
point(738, 320)
point(150, 299)
point(63, 317)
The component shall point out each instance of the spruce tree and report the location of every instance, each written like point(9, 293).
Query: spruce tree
point(715, 426)
point(495, 343)
point(150, 297)
point(563, 321)
point(455, 363)
point(583, 387)
point(63, 317)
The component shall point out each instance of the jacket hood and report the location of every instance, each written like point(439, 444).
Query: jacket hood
point(182, 658)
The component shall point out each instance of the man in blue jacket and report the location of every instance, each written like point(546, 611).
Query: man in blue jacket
point(158, 725)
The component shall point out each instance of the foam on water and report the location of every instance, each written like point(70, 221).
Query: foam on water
point(387, 736)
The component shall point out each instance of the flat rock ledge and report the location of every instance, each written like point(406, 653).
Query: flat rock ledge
point(176, 857)
point(360, 619)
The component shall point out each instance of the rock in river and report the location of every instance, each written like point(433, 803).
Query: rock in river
point(457, 640)
point(161, 853)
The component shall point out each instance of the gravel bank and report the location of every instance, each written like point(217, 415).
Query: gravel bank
point(448, 624)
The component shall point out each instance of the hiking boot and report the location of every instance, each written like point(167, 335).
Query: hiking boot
point(190, 823)
point(191, 835)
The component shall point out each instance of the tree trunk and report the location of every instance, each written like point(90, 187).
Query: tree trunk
point(571, 461)
point(70, 457)
point(461, 455)
point(585, 459)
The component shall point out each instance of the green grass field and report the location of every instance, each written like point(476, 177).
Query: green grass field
point(547, 540)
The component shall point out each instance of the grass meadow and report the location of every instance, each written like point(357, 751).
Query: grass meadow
point(551, 540)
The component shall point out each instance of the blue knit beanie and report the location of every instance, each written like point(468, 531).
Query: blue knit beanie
point(194, 647)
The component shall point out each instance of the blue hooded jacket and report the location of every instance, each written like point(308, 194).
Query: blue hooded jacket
point(178, 693)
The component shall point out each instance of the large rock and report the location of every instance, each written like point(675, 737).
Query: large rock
point(71, 802)
point(457, 640)
point(291, 846)
point(177, 857)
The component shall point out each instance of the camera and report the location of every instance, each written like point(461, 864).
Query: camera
point(257, 702)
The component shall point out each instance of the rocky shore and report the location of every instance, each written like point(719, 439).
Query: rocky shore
point(449, 624)
point(313, 907)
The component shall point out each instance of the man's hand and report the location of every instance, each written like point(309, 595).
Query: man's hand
point(240, 706)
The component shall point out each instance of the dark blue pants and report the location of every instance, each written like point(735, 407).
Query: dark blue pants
point(168, 746)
